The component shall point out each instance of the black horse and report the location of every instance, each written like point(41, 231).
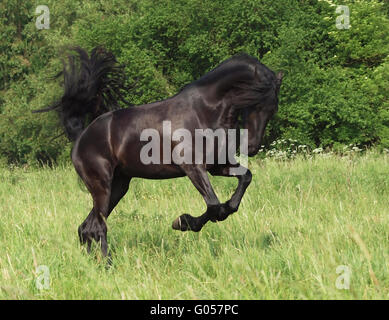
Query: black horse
point(240, 92)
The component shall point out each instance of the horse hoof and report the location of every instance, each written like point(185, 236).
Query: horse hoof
point(176, 224)
point(185, 222)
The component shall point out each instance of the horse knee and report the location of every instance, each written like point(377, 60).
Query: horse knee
point(247, 177)
point(231, 207)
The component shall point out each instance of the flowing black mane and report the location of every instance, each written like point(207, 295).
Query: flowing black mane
point(254, 81)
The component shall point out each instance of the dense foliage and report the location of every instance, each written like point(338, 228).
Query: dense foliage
point(335, 89)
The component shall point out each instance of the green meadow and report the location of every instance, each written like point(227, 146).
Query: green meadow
point(300, 222)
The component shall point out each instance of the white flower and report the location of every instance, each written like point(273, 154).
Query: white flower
point(317, 150)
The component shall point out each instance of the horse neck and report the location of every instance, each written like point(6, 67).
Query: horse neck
point(225, 88)
point(227, 81)
point(218, 110)
point(220, 113)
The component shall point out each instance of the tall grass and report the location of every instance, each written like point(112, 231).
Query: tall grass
point(299, 220)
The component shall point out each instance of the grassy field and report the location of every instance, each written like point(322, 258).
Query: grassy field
point(298, 222)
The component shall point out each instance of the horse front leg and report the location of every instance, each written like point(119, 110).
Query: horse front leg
point(244, 178)
point(198, 175)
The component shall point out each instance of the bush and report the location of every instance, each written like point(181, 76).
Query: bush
point(334, 93)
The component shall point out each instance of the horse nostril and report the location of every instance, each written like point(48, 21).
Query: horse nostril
point(252, 150)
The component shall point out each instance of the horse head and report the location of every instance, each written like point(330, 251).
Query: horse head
point(255, 117)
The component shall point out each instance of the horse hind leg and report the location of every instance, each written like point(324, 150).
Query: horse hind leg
point(90, 229)
point(119, 188)
point(98, 180)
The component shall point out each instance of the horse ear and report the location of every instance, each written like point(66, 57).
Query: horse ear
point(279, 77)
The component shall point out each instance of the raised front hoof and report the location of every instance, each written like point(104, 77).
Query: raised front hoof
point(186, 223)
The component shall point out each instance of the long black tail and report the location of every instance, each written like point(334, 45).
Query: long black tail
point(93, 84)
